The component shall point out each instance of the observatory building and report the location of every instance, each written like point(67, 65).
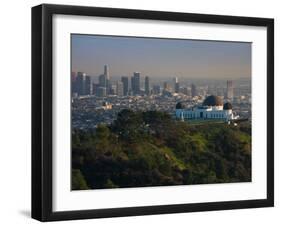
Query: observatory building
point(211, 109)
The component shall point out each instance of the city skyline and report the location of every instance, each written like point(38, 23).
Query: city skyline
point(155, 57)
point(82, 84)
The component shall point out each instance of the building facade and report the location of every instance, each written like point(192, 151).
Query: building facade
point(102, 80)
point(156, 89)
point(147, 86)
point(120, 89)
point(135, 80)
point(125, 81)
point(88, 85)
point(194, 92)
point(80, 83)
point(101, 91)
point(229, 90)
point(211, 109)
point(176, 85)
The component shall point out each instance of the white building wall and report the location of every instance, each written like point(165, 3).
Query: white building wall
point(189, 114)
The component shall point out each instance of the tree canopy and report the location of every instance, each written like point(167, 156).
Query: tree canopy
point(151, 149)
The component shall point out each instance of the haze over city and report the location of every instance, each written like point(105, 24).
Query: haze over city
point(161, 57)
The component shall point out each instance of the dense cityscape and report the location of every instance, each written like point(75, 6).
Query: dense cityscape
point(98, 99)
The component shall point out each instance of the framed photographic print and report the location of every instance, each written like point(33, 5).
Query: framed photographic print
point(145, 112)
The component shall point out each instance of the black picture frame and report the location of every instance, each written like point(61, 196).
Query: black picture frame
point(42, 107)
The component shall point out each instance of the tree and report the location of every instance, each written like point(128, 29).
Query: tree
point(129, 126)
point(151, 149)
point(78, 181)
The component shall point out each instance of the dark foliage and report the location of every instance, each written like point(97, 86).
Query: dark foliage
point(152, 149)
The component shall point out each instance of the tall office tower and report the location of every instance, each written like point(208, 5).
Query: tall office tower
point(73, 76)
point(107, 78)
point(166, 86)
point(147, 86)
point(88, 85)
point(193, 90)
point(101, 91)
point(132, 85)
point(156, 89)
point(120, 89)
point(108, 86)
point(95, 88)
point(102, 81)
point(125, 81)
point(112, 90)
point(136, 83)
point(236, 92)
point(73, 82)
point(185, 91)
point(176, 85)
point(106, 72)
point(80, 83)
point(229, 89)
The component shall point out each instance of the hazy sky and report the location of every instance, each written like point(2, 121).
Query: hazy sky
point(161, 57)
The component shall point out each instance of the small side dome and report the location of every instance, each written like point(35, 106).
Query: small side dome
point(213, 101)
point(180, 105)
point(227, 106)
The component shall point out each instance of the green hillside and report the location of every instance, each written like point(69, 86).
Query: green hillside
point(152, 149)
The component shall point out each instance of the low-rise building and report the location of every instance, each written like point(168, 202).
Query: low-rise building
point(211, 109)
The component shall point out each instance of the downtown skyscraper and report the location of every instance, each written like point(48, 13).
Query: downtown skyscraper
point(88, 85)
point(106, 71)
point(135, 81)
point(176, 85)
point(82, 84)
point(104, 79)
point(193, 90)
point(147, 86)
point(125, 81)
point(120, 89)
point(229, 90)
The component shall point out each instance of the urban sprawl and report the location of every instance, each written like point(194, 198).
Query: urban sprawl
point(96, 102)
